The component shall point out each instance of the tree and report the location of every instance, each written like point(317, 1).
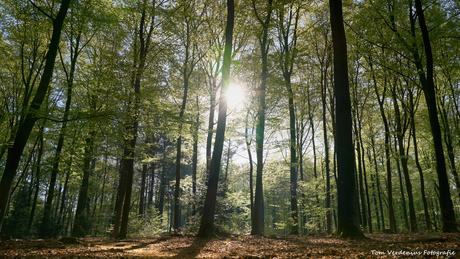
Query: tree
point(287, 37)
point(258, 227)
point(25, 128)
point(207, 220)
point(348, 218)
point(142, 46)
point(447, 208)
point(191, 58)
point(76, 46)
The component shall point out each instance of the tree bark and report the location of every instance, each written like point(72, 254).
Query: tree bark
point(348, 218)
point(258, 227)
point(24, 130)
point(37, 176)
point(207, 220)
point(400, 132)
point(447, 208)
point(326, 151)
point(391, 214)
point(81, 225)
point(44, 229)
point(417, 161)
point(195, 152)
point(288, 44)
point(140, 55)
point(251, 167)
point(142, 191)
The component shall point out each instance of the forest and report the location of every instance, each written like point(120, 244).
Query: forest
point(212, 118)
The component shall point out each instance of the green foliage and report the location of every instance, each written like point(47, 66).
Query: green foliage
point(147, 225)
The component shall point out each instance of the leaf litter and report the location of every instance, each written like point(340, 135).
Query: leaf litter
point(430, 245)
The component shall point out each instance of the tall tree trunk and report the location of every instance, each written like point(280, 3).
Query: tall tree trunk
point(142, 191)
point(151, 184)
point(377, 182)
point(120, 193)
point(207, 220)
point(293, 165)
point(391, 214)
point(179, 155)
point(403, 196)
point(373, 193)
point(45, 228)
point(258, 227)
point(81, 225)
point(140, 54)
point(449, 145)
point(417, 160)
point(288, 42)
point(188, 67)
point(195, 152)
point(163, 185)
point(360, 176)
point(400, 132)
point(366, 187)
point(37, 176)
point(348, 218)
point(326, 152)
point(24, 130)
point(251, 167)
point(447, 208)
point(64, 193)
point(315, 168)
point(128, 165)
point(212, 108)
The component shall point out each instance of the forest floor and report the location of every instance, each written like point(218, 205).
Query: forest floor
point(375, 246)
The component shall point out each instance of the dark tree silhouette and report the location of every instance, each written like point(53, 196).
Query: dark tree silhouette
point(207, 220)
point(348, 215)
point(447, 208)
point(24, 130)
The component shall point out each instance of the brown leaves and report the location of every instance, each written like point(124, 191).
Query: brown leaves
point(377, 246)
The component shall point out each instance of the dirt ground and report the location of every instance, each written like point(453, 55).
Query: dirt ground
point(376, 246)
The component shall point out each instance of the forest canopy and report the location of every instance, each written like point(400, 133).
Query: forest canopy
point(131, 118)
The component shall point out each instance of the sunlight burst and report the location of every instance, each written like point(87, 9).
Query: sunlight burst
point(235, 96)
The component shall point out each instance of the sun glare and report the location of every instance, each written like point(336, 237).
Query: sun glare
point(235, 96)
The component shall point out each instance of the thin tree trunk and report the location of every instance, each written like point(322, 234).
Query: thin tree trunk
point(449, 145)
point(326, 156)
point(391, 214)
point(120, 194)
point(315, 168)
point(24, 130)
point(142, 191)
point(207, 228)
point(163, 184)
point(366, 187)
point(377, 181)
point(251, 167)
point(212, 108)
point(400, 131)
point(64, 195)
point(360, 178)
point(133, 123)
point(288, 44)
point(373, 192)
point(417, 161)
point(81, 226)
point(403, 196)
point(37, 176)
point(195, 153)
point(258, 227)
point(447, 208)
